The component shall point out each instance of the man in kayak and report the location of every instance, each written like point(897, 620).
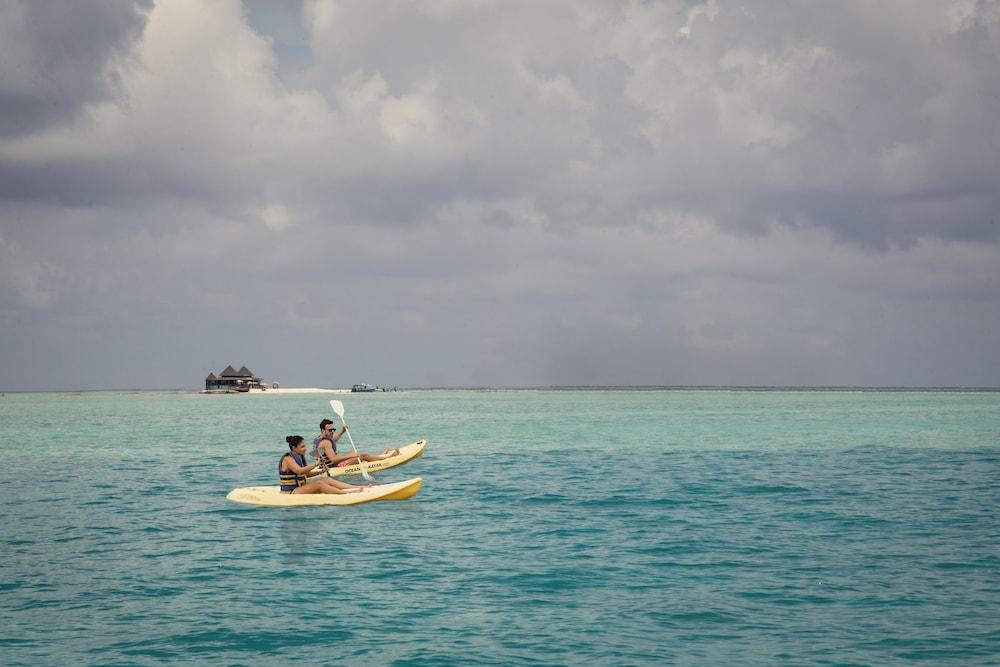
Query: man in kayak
point(325, 448)
point(292, 471)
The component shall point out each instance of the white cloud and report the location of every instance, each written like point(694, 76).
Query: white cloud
point(413, 121)
point(277, 217)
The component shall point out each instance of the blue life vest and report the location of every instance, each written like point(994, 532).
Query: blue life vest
point(290, 480)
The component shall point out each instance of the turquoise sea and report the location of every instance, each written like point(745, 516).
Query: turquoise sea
point(555, 527)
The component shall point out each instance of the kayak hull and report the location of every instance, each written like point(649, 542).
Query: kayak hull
point(271, 496)
point(406, 454)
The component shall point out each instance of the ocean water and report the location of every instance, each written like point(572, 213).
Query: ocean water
point(554, 527)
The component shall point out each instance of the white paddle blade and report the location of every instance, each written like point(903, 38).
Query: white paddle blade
point(338, 407)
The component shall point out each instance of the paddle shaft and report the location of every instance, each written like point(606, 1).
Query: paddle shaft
point(338, 409)
point(364, 471)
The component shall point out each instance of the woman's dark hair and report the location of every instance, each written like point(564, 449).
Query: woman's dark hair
point(293, 441)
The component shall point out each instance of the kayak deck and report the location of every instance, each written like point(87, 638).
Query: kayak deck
point(406, 453)
point(271, 496)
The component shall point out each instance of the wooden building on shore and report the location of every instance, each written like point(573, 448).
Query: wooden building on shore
point(231, 380)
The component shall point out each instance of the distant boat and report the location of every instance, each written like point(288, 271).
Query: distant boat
point(363, 388)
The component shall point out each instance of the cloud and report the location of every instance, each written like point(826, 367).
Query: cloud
point(54, 59)
point(495, 193)
point(804, 124)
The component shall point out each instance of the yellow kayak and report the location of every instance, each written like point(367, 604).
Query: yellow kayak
point(271, 496)
point(406, 454)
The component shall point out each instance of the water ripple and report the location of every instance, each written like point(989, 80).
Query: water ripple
point(760, 528)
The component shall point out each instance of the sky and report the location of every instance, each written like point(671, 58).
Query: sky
point(500, 193)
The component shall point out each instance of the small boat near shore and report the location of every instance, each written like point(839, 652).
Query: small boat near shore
point(370, 388)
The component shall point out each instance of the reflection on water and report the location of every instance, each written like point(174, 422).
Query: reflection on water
point(296, 535)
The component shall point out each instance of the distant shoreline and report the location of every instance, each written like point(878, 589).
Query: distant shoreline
point(284, 390)
point(707, 388)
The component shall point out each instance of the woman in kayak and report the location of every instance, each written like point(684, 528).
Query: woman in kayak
point(325, 448)
point(292, 471)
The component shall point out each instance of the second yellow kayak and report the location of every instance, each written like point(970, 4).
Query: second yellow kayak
point(406, 454)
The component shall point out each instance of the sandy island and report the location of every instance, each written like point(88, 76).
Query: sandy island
point(285, 390)
point(300, 390)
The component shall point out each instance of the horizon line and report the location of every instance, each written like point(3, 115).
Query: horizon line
point(576, 387)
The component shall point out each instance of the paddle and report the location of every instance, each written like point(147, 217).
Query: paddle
point(338, 407)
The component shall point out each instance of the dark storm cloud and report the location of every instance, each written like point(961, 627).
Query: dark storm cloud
point(55, 58)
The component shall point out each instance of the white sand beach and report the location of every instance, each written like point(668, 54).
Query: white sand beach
point(285, 390)
point(300, 390)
